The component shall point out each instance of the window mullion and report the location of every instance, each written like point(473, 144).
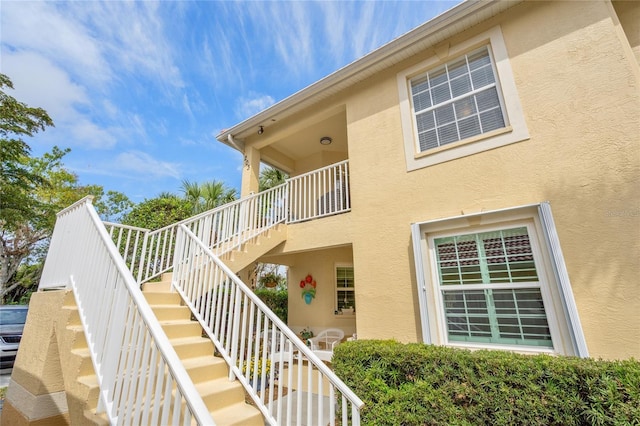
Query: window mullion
point(457, 98)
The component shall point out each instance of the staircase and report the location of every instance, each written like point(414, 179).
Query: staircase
point(224, 399)
point(253, 249)
point(169, 354)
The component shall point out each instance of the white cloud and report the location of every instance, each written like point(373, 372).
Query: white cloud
point(141, 163)
point(39, 82)
point(248, 106)
point(40, 27)
point(89, 135)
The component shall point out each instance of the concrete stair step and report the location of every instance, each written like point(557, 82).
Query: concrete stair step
point(171, 312)
point(190, 347)
point(220, 393)
point(162, 297)
point(86, 365)
point(181, 328)
point(205, 368)
point(91, 382)
point(239, 414)
point(161, 286)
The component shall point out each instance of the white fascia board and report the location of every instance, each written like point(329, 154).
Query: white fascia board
point(379, 59)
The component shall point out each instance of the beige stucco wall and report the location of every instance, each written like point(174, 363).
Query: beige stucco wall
point(581, 102)
point(318, 314)
point(579, 90)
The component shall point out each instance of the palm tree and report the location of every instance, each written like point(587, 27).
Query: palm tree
point(207, 195)
point(270, 177)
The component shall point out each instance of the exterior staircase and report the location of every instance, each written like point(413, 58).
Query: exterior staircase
point(130, 336)
point(81, 380)
point(251, 250)
point(225, 399)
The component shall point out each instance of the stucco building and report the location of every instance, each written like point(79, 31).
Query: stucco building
point(474, 183)
point(454, 134)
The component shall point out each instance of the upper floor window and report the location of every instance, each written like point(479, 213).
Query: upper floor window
point(460, 101)
point(457, 100)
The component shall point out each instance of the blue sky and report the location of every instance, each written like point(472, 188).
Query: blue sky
point(138, 90)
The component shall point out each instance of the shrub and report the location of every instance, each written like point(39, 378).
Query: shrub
point(276, 300)
point(416, 384)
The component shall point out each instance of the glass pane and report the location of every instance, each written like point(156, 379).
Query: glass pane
point(482, 77)
point(437, 77)
point(465, 107)
point(419, 85)
point(487, 99)
point(346, 299)
point(469, 127)
point(521, 316)
point(425, 121)
point(441, 93)
point(467, 315)
point(421, 101)
point(428, 140)
point(479, 59)
point(460, 86)
point(448, 134)
point(513, 317)
point(445, 115)
point(475, 114)
point(457, 68)
point(491, 120)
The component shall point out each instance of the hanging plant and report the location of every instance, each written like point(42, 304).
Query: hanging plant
point(308, 286)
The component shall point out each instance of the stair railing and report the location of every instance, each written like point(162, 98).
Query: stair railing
point(263, 353)
point(141, 378)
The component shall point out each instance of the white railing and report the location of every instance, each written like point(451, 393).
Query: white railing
point(247, 333)
point(141, 378)
point(320, 193)
point(129, 241)
point(313, 195)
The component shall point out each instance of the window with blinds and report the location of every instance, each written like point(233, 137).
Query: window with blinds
point(456, 101)
point(345, 288)
point(490, 288)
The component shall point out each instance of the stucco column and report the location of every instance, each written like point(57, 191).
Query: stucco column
point(250, 171)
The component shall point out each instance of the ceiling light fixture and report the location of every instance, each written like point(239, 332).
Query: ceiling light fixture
point(260, 130)
point(325, 140)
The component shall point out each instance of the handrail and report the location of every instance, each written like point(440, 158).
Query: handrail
point(311, 195)
point(319, 193)
point(247, 333)
point(141, 378)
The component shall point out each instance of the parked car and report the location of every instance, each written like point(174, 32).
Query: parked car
point(12, 320)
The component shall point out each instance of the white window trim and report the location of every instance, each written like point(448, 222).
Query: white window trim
point(562, 314)
point(515, 130)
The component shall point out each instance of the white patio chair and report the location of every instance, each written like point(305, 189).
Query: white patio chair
point(326, 340)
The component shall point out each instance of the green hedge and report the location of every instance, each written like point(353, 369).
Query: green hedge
point(277, 300)
point(417, 384)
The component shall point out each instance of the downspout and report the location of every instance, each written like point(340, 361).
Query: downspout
point(235, 143)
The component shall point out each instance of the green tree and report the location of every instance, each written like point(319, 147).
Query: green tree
point(17, 180)
point(207, 195)
point(32, 190)
point(155, 213)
